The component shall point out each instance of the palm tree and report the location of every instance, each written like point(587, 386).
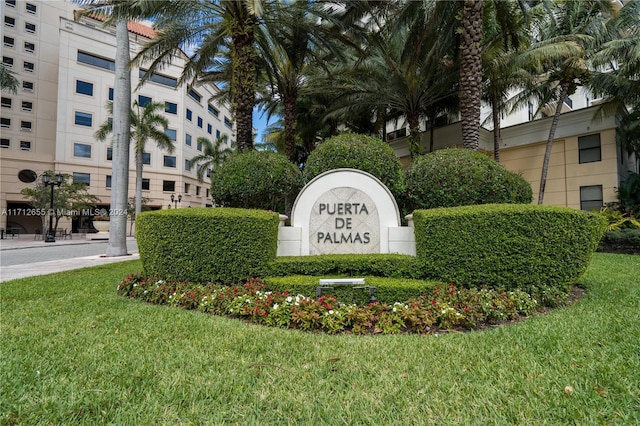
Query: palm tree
point(7, 80)
point(471, 73)
point(569, 36)
point(146, 123)
point(213, 154)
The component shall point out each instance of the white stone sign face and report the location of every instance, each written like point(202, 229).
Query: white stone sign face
point(341, 211)
point(344, 220)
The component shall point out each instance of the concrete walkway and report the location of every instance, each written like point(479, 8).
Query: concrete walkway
point(25, 256)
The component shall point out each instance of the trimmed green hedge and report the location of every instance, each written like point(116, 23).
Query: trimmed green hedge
point(622, 241)
point(514, 246)
point(380, 265)
point(388, 290)
point(203, 245)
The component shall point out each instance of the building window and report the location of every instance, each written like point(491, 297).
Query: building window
point(81, 150)
point(8, 41)
point(146, 158)
point(589, 150)
point(143, 101)
point(200, 122)
point(5, 123)
point(213, 111)
point(227, 122)
point(29, 47)
point(27, 86)
point(209, 129)
point(25, 145)
point(84, 178)
point(170, 108)
point(9, 21)
point(168, 186)
point(109, 154)
point(6, 102)
point(217, 134)
point(189, 114)
point(5, 143)
point(28, 66)
point(170, 161)
point(10, 3)
point(146, 184)
point(172, 134)
point(591, 197)
point(27, 106)
point(195, 95)
point(530, 110)
point(108, 183)
point(96, 61)
point(31, 8)
point(25, 125)
point(187, 165)
point(84, 88)
point(199, 146)
point(83, 119)
point(110, 94)
point(159, 78)
point(187, 139)
point(7, 61)
point(197, 191)
point(207, 193)
point(187, 187)
point(29, 27)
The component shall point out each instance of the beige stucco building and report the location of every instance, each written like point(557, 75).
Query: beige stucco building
point(65, 69)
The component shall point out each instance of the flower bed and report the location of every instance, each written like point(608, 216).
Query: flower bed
point(447, 307)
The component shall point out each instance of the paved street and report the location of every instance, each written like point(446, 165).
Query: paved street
point(24, 257)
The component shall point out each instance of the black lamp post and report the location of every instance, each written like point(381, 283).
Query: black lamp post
point(46, 179)
point(175, 200)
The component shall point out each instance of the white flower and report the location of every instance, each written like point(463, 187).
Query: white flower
point(275, 306)
point(289, 299)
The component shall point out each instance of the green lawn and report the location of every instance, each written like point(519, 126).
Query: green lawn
point(73, 352)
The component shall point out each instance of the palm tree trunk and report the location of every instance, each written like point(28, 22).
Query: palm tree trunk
point(121, 130)
point(415, 146)
point(497, 133)
point(243, 81)
point(547, 154)
point(471, 73)
point(289, 128)
point(139, 165)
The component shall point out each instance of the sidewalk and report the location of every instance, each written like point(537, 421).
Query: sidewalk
point(27, 243)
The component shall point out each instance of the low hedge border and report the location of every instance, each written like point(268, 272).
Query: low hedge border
point(513, 246)
point(625, 241)
point(388, 290)
point(221, 245)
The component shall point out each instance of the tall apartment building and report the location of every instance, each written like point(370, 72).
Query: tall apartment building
point(65, 69)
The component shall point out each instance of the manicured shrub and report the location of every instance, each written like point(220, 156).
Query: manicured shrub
point(621, 241)
point(380, 265)
point(388, 290)
point(361, 152)
point(460, 177)
point(206, 244)
point(256, 180)
point(514, 246)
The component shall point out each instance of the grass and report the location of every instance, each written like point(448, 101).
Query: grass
point(73, 352)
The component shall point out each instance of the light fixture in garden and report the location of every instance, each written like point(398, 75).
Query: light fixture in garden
point(175, 200)
point(46, 179)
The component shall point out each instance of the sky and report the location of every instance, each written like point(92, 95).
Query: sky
point(260, 122)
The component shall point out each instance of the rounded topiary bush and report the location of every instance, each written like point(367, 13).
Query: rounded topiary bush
point(204, 245)
point(256, 180)
point(460, 177)
point(361, 152)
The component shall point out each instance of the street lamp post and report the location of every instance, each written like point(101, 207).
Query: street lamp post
point(175, 200)
point(46, 179)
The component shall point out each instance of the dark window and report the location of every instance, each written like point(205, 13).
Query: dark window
point(29, 66)
point(146, 158)
point(27, 86)
point(209, 129)
point(10, 3)
point(187, 165)
point(530, 110)
point(199, 146)
point(143, 101)
point(9, 21)
point(159, 78)
point(217, 134)
point(187, 188)
point(169, 161)
point(200, 122)
point(110, 94)
point(108, 185)
point(207, 193)
point(7, 61)
point(25, 125)
point(171, 133)
point(29, 27)
point(168, 185)
point(189, 114)
point(5, 143)
point(29, 47)
point(195, 95)
point(146, 184)
point(187, 139)
point(109, 154)
point(5, 122)
point(197, 190)
point(25, 145)
point(227, 122)
point(82, 178)
point(9, 41)
point(27, 106)
point(81, 150)
point(84, 87)
point(589, 150)
point(31, 8)
point(170, 108)
point(6, 102)
point(591, 197)
point(213, 110)
point(83, 119)
point(96, 61)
